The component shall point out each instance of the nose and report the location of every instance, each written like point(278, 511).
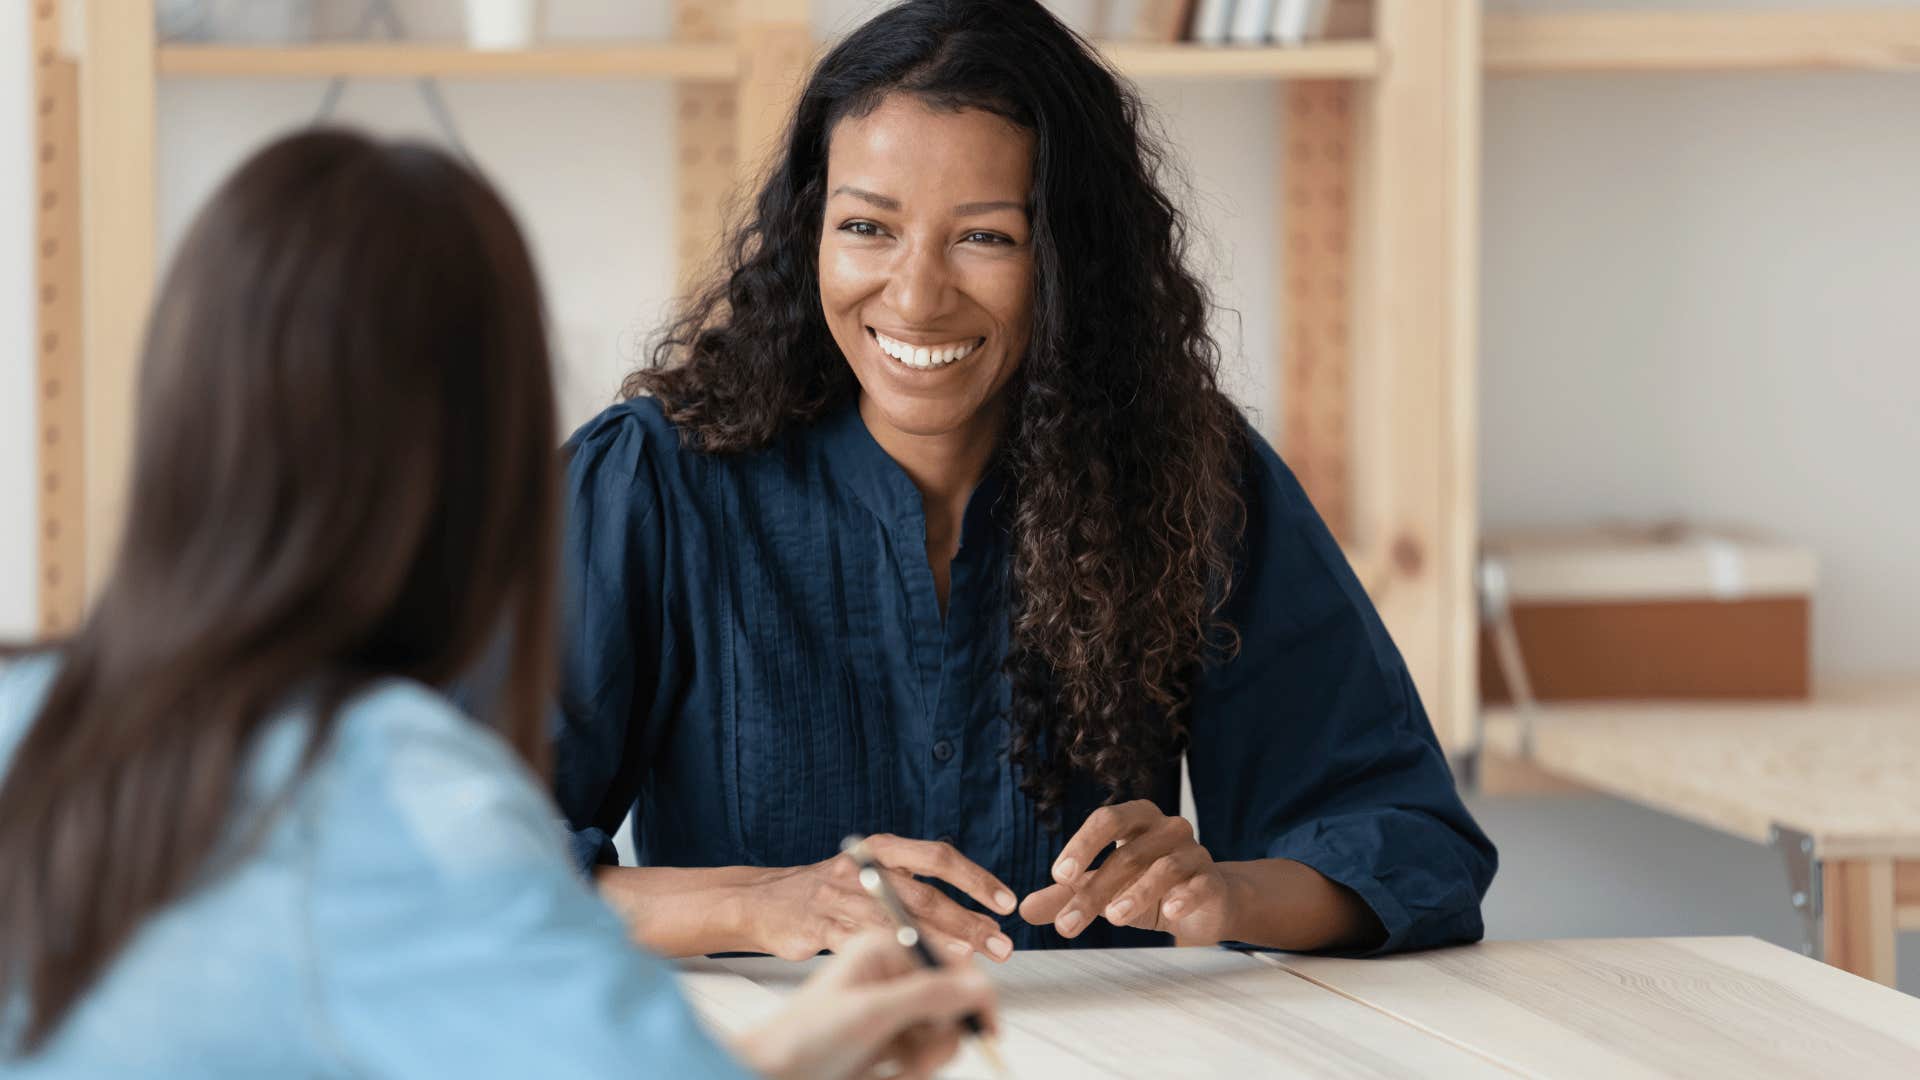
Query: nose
point(920, 284)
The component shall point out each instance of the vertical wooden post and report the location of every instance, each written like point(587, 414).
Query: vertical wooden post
point(1316, 235)
point(58, 389)
point(776, 48)
point(727, 131)
point(117, 215)
point(707, 160)
point(1906, 894)
point(1859, 917)
point(1414, 344)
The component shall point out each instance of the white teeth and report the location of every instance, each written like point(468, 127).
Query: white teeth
point(923, 357)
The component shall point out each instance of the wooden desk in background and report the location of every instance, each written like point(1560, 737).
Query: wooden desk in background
point(1630, 1008)
point(1833, 784)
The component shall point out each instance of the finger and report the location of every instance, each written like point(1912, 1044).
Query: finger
point(1139, 904)
point(938, 915)
point(943, 935)
point(917, 1051)
point(1043, 905)
point(1106, 825)
point(927, 1049)
point(1191, 897)
point(868, 1019)
point(937, 859)
point(1094, 893)
point(939, 997)
point(866, 956)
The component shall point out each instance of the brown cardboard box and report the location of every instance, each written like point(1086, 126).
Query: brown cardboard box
point(1649, 612)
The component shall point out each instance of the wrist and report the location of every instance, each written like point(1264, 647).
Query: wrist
point(1239, 903)
point(684, 911)
point(732, 910)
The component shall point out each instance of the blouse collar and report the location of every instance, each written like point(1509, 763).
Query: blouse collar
point(862, 466)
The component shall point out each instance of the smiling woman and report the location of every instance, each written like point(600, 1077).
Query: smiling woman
point(928, 518)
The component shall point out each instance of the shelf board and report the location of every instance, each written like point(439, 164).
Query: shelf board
point(1325, 60)
point(634, 60)
point(1857, 39)
point(667, 60)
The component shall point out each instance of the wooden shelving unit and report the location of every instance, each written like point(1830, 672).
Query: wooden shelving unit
point(1862, 39)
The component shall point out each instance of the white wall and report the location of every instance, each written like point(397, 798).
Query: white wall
point(19, 463)
point(1702, 300)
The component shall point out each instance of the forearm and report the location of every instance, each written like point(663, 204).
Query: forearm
point(1283, 904)
point(678, 911)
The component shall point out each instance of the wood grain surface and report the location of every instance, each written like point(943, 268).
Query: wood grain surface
point(1734, 1007)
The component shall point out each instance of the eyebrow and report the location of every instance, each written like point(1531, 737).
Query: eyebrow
point(863, 195)
point(963, 210)
point(972, 208)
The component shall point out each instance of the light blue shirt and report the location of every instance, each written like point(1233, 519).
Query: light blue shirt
point(410, 912)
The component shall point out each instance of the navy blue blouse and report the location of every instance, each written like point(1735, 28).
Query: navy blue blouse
point(757, 666)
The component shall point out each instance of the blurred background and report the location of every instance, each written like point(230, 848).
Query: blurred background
point(1689, 351)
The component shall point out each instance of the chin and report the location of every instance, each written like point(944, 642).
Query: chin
point(921, 417)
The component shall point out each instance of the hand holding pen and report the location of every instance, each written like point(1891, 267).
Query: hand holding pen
point(873, 1010)
point(908, 935)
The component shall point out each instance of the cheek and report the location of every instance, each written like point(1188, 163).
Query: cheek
point(845, 280)
point(1011, 300)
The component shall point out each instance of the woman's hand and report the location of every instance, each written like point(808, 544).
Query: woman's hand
point(872, 1011)
point(796, 912)
point(1157, 878)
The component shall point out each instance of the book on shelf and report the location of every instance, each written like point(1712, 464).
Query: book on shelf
point(1346, 20)
point(1296, 22)
point(1251, 21)
point(1212, 22)
point(1238, 22)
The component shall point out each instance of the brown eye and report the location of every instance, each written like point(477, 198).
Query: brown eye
point(861, 228)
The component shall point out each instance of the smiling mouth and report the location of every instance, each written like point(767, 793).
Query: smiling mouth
point(925, 357)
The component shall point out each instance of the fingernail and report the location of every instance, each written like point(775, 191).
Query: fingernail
point(1119, 909)
point(1064, 870)
point(1070, 922)
point(960, 947)
point(1003, 900)
point(1000, 946)
point(1174, 907)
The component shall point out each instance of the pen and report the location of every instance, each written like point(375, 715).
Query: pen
point(908, 934)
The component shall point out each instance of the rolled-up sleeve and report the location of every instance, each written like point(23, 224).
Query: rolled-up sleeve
point(1311, 744)
point(614, 645)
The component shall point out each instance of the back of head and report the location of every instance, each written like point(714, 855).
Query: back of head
point(342, 473)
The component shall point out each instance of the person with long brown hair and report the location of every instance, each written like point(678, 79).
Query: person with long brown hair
point(929, 518)
point(241, 831)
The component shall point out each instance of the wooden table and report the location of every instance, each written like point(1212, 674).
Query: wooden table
point(1834, 785)
point(1626, 1008)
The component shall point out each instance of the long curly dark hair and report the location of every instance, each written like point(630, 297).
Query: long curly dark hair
point(1124, 455)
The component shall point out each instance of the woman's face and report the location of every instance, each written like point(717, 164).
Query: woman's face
point(926, 261)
